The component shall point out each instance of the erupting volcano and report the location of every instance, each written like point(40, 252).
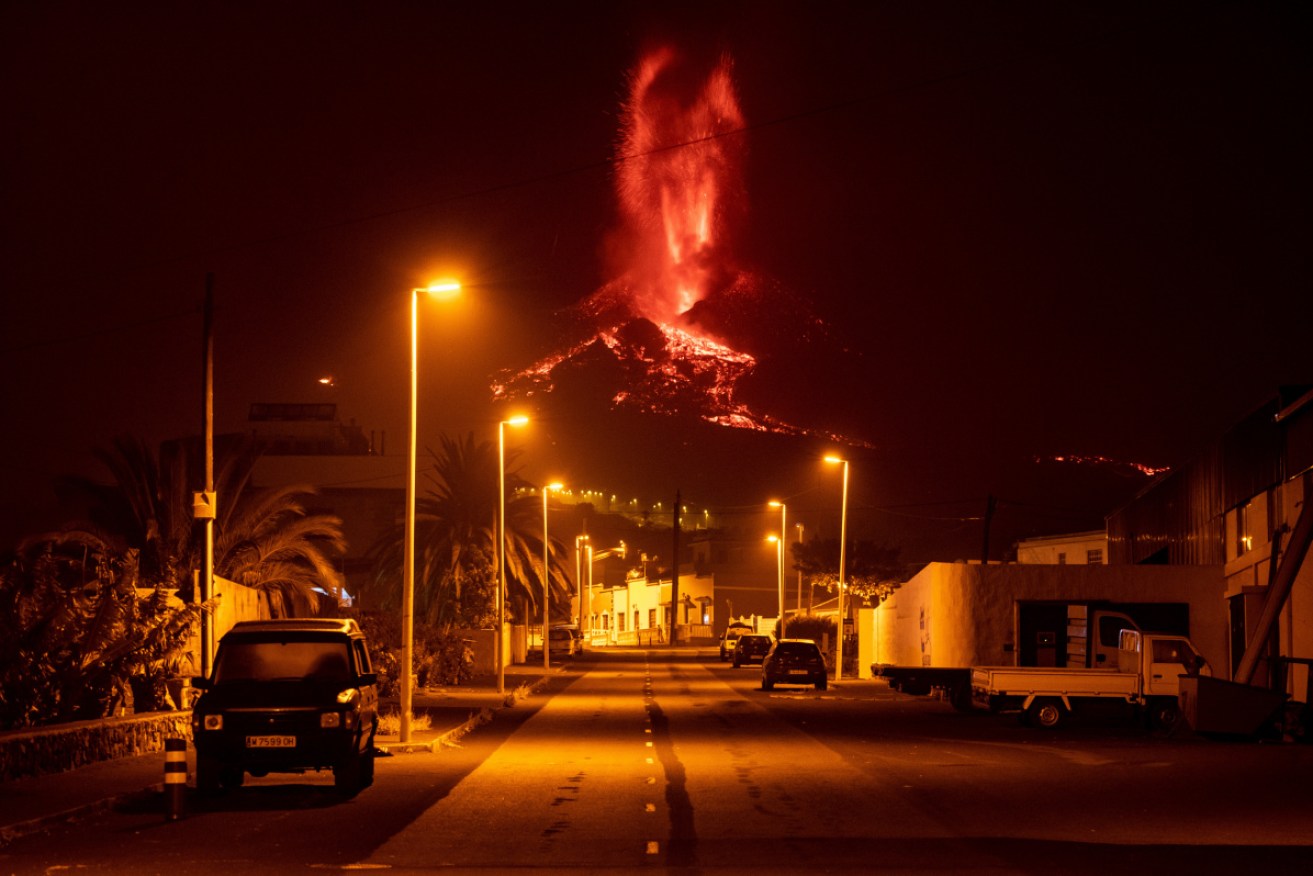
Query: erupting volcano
point(683, 329)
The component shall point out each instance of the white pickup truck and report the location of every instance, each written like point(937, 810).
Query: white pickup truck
point(1149, 666)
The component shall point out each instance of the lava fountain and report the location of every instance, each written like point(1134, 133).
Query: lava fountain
point(684, 323)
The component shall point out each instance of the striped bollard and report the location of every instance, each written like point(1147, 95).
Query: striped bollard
point(175, 777)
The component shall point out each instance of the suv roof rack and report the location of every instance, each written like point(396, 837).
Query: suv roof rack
point(298, 625)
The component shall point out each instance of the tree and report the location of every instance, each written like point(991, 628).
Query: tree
point(873, 571)
point(264, 538)
point(455, 541)
point(75, 629)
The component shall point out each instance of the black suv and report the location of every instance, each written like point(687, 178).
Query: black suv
point(287, 696)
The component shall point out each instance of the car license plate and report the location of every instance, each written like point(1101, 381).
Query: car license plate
point(271, 742)
point(798, 672)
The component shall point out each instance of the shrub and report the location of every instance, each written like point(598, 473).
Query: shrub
point(441, 657)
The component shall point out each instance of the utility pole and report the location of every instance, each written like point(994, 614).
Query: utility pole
point(203, 503)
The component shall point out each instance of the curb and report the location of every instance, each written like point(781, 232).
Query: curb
point(451, 737)
point(476, 719)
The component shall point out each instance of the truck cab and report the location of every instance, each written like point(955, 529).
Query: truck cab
point(1161, 660)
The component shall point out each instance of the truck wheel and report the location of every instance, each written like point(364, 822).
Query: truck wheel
point(1046, 712)
point(1164, 715)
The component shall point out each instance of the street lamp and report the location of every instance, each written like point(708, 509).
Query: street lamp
point(798, 613)
point(579, 580)
point(547, 589)
point(588, 553)
point(843, 544)
point(501, 547)
point(445, 291)
point(779, 568)
point(784, 527)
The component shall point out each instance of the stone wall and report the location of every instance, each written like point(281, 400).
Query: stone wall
point(68, 746)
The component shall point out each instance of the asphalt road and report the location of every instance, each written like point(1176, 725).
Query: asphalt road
point(687, 766)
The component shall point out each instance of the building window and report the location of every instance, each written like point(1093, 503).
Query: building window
point(1094, 557)
point(1062, 558)
point(1251, 526)
point(651, 619)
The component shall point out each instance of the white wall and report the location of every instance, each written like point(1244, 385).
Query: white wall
point(955, 614)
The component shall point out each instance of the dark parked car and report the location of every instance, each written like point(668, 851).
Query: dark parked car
point(794, 661)
point(728, 638)
point(750, 648)
point(287, 696)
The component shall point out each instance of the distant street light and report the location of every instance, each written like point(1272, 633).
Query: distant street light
point(784, 527)
point(445, 291)
point(779, 569)
point(579, 582)
point(798, 613)
point(547, 588)
point(501, 547)
point(843, 546)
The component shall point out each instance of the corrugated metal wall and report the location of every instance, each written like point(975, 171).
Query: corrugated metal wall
point(1177, 521)
point(1180, 519)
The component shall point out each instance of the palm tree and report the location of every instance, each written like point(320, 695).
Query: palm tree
point(455, 540)
point(264, 539)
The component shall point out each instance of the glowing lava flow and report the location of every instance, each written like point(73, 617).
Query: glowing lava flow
point(667, 320)
point(1131, 468)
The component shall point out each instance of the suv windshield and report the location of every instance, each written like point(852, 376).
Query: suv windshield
point(260, 660)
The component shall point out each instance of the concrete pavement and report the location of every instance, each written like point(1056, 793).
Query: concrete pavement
point(28, 805)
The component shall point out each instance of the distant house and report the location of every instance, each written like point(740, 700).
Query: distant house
point(1076, 549)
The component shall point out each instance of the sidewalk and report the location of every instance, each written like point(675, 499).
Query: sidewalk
point(29, 805)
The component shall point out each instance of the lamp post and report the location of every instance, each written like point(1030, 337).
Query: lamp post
point(843, 544)
point(547, 588)
point(442, 290)
point(579, 580)
point(501, 547)
point(588, 553)
point(784, 527)
point(779, 569)
point(798, 613)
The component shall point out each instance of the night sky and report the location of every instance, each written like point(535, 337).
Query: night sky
point(1031, 229)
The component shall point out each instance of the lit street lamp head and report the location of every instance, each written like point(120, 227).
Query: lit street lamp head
point(443, 289)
